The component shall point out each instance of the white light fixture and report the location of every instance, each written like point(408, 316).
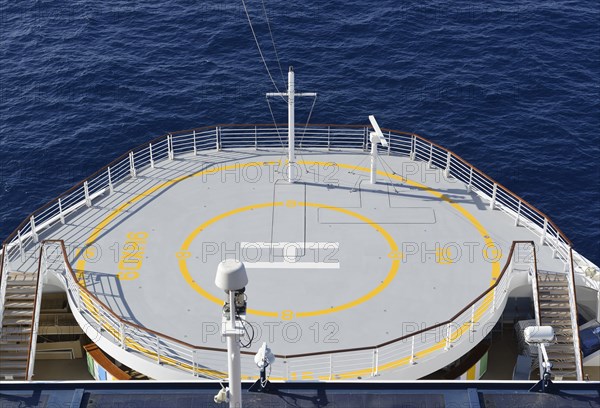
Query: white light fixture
point(264, 357)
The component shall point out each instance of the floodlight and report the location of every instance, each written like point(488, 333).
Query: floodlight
point(379, 138)
point(264, 357)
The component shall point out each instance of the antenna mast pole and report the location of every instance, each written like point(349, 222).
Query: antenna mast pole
point(291, 127)
point(291, 94)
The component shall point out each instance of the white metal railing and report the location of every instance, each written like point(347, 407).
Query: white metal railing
point(573, 313)
point(3, 284)
point(533, 276)
point(398, 354)
point(35, 319)
point(262, 136)
point(130, 337)
point(330, 137)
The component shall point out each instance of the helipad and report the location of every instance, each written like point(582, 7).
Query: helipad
point(348, 278)
point(332, 259)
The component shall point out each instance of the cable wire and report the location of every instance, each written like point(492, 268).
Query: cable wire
point(275, 122)
point(260, 51)
point(273, 40)
point(304, 132)
point(308, 119)
point(245, 325)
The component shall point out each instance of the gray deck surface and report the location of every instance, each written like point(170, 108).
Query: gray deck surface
point(338, 283)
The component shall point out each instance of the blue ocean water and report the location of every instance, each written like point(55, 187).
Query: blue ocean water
point(511, 86)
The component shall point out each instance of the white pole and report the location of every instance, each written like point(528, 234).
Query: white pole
point(233, 349)
point(373, 161)
point(291, 119)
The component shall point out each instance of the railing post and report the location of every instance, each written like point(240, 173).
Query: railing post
point(493, 201)
point(218, 134)
point(430, 161)
point(255, 137)
point(543, 236)
point(330, 367)
point(470, 185)
point(80, 302)
point(366, 139)
point(194, 364)
point(195, 146)
point(21, 250)
point(86, 192)
point(132, 165)
point(375, 370)
point(448, 334)
point(534, 289)
point(413, 147)
point(170, 146)
point(110, 184)
point(412, 351)
point(448, 163)
point(34, 234)
point(100, 323)
point(122, 334)
point(60, 212)
point(158, 359)
point(389, 139)
point(554, 249)
point(151, 156)
point(328, 138)
point(518, 214)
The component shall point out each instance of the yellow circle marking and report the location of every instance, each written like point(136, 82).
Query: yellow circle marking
point(388, 279)
point(80, 264)
point(395, 255)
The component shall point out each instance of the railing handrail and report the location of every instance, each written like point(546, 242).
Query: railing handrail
point(574, 315)
point(34, 319)
point(110, 311)
point(180, 132)
point(435, 326)
point(536, 291)
point(284, 356)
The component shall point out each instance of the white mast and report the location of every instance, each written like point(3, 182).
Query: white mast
point(291, 94)
point(291, 128)
point(232, 278)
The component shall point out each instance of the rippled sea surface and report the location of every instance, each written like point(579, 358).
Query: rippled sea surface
point(511, 86)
